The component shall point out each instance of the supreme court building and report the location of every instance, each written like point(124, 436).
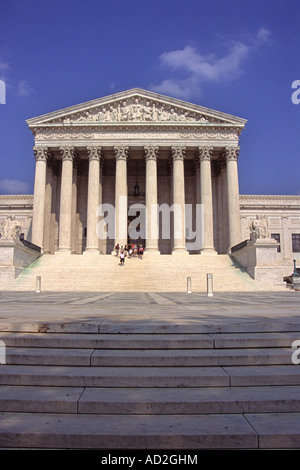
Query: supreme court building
point(138, 148)
point(134, 147)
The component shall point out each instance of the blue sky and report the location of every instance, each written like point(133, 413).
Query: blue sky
point(236, 56)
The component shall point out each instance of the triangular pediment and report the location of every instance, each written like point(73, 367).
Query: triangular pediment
point(136, 106)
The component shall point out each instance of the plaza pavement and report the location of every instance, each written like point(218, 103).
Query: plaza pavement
point(131, 311)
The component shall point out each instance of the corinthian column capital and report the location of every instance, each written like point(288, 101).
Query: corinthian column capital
point(94, 153)
point(121, 152)
point(67, 153)
point(151, 152)
point(41, 154)
point(231, 153)
point(178, 152)
point(205, 153)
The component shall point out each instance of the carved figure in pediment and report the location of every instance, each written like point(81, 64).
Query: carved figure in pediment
point(148, 112)
point(172, 115)
point(110, 114)
point(2, 229)
point(100, 115)
point(163, 115)
point(203, 119)
point(125, 112)
point(183, 116)
point(137, 111)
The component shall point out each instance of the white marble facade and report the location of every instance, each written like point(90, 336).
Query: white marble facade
point(175, 152)
point(95, 153)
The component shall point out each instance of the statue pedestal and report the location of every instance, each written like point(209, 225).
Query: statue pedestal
point(14, 257)
point(259, 258)
point(296, 282)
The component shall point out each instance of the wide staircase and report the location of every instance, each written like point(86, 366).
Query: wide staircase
point(83, 386)
point(153, 273)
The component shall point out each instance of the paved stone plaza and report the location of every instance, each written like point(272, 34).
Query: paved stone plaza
point(130, 308)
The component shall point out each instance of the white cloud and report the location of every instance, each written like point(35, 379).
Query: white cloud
point(24, 88)
point(263, 35)
point(176, 87)
point(209, 67)
point(13, 187)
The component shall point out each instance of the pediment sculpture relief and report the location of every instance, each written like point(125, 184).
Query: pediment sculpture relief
point(136, 110)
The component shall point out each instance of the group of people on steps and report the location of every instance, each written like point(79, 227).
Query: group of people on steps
point(130, 251)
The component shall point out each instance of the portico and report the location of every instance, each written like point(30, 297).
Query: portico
point(178, 155)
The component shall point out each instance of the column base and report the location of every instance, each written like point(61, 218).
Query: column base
point(180, 251)
point(64, 250)
point(152, 251)
point(91, 250)
point(208, 251)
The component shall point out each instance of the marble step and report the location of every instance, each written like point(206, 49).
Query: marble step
point(263, 375)
point(82, 431)
point(49, 356)
point(214, 328)
point(190, 401)
point(147, 358)
point(269, 339)
point(108, 341)
point(210, 400)
point(187, 358)
point(85, 431)
point(86, 376)
point(150, 341)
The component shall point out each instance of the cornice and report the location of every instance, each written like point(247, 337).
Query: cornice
point(269, 201)
point(15, 196)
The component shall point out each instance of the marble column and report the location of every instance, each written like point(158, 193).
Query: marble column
point(121, 195)
point(65, 215)
point(234, 221)
point(205, 154)
point(178, 154)
point(74, 219)
point(41, 155)
point(94, 155)
point(152, 223)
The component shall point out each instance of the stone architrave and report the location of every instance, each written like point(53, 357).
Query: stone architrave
point(65, 216)
point(234, 221)
point(178, 154)
point(151, 154)
point(94, 156)
point(41, 156)
point(205, 154)
point(121, 195)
